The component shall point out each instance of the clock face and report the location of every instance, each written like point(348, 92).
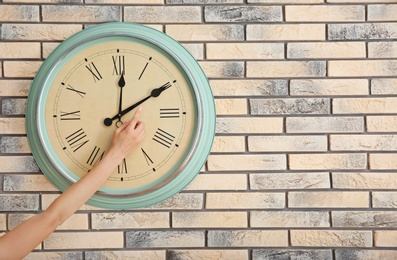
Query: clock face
point(92, 83)
point(88, 88)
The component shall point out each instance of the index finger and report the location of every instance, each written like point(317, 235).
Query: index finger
point(136, 116)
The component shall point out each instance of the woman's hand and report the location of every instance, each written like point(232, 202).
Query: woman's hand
point(127, 137)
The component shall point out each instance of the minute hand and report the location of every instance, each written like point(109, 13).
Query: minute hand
point(155, 93)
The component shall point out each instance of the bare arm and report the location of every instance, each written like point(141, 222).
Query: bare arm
point(24, 238)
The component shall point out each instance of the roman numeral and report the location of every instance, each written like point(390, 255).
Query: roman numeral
point(75, 115)
point(169, 112)
point(80, 93)
point(144, 69)
point(118, 65)
point(147, 158)
point(163, 138)
point(94, 71)
point(95, 156)
point(122, 168)
point(77, 140)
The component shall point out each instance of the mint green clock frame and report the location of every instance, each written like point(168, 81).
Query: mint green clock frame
point(195, 156)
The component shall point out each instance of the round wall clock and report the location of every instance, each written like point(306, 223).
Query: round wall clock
point(92, 83)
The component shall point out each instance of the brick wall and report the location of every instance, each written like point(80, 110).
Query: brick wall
point(305, 155)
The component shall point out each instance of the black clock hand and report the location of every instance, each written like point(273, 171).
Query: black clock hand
point(155, 93)
point(121, 84)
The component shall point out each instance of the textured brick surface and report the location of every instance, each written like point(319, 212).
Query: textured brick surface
point(304, 161)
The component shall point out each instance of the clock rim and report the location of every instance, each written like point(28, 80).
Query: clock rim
point(205, 129)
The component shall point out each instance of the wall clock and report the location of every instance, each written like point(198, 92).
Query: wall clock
point(95, 80)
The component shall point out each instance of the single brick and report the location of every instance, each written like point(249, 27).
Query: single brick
point(162, 14)
point(326, 50)
point(206, 32)
point(384, 105)
point(364, 180)
point(360, 1)
point(384, 199)
point(21, 69)
point(255, 14)
point(164, 239)
point(328, 87)
point(381, 123)
point(10, 144)
point(290, 106)
point(339, 161)
point(74, 222)
point(246, 162)
point(252, 200)
point(325, 124)
point(382, 50)
point(221, 254)
point(19, 202)
point(15, 106)
point(202, 1)
point(27, 182)
point(223, 144)
point(383, 161)
point(248, 238)
point(287, 143)
point(382, 12)
point(130, 220)
point(375, 219)
point(286, 32)
point(3, 221)
point(149, 2)
point(38, 32)
point(241, 51)
point(286, 69)
point(363, 142)
point(283, 254)
point(80, 240)
point(326, 199)
point(361, 68)
point(331, 238)
point(19, 13)
point(18, 164)
point(324, 13)
point(20, 50)
point(55, 255)
point(231, 106)
point(18, 88)
point(287, 219)
point(238, 87)
point(42, 1)
point(385, 238)
point(119, 255)
point(208, 182)
point(365, 254)
point(258, 125)
point(222, 69)
point(362, 31)
point(274, 181)
point(180, 201)
point(209, 219)
point(79, 13)
point(384, 86)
